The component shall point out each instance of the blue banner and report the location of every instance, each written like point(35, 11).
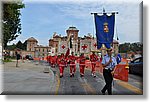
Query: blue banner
point(104, 29)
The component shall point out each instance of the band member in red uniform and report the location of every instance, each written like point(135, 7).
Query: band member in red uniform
point(82, 64)
point(72, 59)
point(48, 59)
point(53, 61)
point(93, 59)
point(62, 64)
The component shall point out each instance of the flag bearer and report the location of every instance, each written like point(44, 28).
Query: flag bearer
point(82, 64)
point(72, 59)
point(108, 63)
point(93, 59)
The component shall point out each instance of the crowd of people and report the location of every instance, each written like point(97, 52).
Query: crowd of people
point(63, 61)
point(108, 63)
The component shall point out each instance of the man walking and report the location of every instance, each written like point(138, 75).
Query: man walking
point(18, 56)
point(108, 63)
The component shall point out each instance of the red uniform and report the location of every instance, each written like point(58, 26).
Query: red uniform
point(82, 65)
point(48, 59)
point(62, 64)
point(72, 59)
point(53, 61)
point(93, 59)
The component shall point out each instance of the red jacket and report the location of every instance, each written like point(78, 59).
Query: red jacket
point(62, 61)
point(53, 59)
point(72, 60)
point(93, 58)
point(82, 60)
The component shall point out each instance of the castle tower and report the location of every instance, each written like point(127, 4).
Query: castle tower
point(73, 33)
point(31, 43)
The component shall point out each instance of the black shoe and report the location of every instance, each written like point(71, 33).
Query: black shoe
point(70, 75)
point(73, 75)
point(94, 76)
point(82, 75)
point(61, 76)
point(103, 93)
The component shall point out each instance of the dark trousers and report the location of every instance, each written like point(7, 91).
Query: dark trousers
point(108, 80)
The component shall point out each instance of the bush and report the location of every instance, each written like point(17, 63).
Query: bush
point(7, 60)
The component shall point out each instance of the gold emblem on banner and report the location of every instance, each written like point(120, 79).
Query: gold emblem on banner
point(106, 29)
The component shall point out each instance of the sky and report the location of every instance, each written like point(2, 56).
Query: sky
point(41, 18)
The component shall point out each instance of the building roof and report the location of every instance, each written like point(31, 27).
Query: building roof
point(41, 46)
point(57, 36)
point(115, 41)
point(87, 37)
point(72, 28)
point(51, 39)
point(32, 39)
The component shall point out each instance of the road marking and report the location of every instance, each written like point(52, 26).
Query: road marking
point(130, 87)
point(87, 87)
point(139, 83)
point(57, 85)
point(127, 85)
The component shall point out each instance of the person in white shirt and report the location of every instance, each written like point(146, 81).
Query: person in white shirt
point(108, 63)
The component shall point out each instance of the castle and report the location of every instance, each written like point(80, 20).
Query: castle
point(59, 44)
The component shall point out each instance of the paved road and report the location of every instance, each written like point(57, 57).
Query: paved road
point(92, 86)
point(30, 79)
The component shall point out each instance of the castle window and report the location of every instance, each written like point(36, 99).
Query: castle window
point(56, 50)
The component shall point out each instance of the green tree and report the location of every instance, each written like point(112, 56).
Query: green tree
point(19, 45)
point(11, 47)
point(126, 47)
point(11, 21)
point(25, 45)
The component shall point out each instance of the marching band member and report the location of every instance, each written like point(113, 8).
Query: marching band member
point(72, 59)
point(82, 64)
point(62, 64)
point(53, 61)
point(93, 59)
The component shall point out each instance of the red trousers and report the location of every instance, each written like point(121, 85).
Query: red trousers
point(61, 70)
point(72, 69)
point(82, 69)
point(93, 67)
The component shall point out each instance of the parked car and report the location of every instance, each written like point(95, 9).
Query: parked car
point(136, 66)
point(29, 57)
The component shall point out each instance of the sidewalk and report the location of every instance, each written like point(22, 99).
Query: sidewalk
point(28, 78)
